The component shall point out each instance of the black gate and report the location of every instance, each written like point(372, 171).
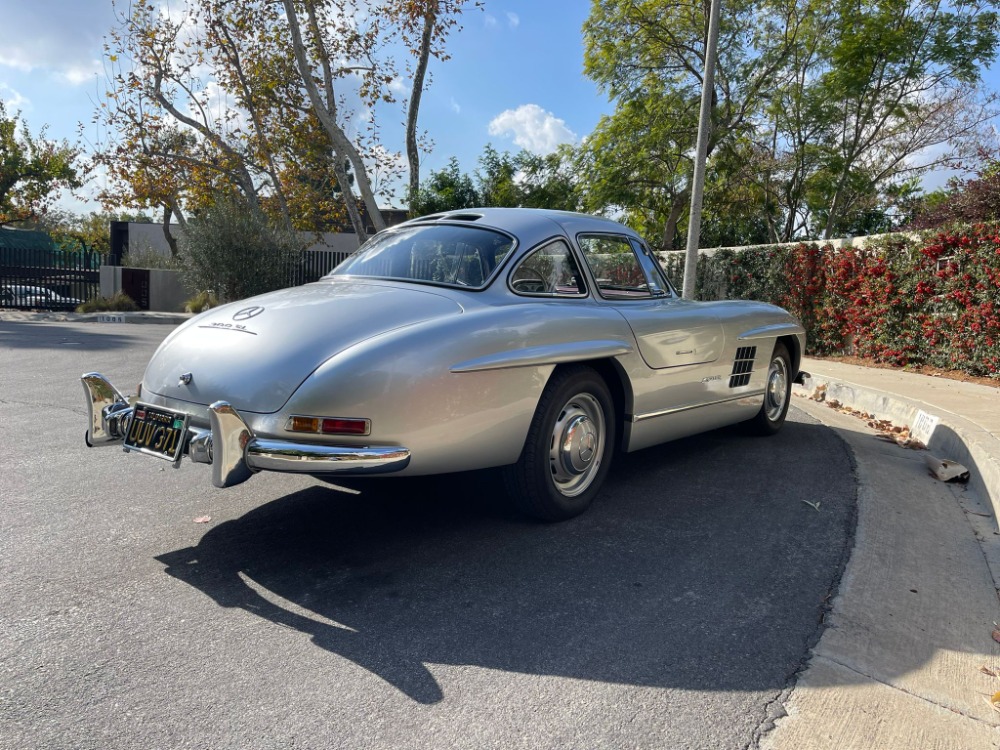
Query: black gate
point(38, 278)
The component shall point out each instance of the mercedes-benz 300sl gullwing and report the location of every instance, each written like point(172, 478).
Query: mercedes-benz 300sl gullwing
point(537, 341)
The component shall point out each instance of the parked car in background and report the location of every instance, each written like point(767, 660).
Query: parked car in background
point(537, 341)
point(17, 295)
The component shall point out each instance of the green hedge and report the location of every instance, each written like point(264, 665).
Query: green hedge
point(932, 299)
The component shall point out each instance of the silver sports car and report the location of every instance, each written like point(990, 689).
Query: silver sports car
point(536, 341)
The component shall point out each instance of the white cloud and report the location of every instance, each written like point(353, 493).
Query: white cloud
point(489, 21)
point(455, 106)
point(13, 100)
point(61, 38)
point(533, 128)
point(513, 20)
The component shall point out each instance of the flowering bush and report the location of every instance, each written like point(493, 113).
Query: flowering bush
point(931, 299)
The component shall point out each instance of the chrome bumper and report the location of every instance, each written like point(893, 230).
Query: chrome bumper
point(230, 446)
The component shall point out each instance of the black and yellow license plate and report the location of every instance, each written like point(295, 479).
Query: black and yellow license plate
point(157, 432)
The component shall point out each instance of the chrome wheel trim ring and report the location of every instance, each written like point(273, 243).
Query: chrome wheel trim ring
point(777, 389)
point(576, 445)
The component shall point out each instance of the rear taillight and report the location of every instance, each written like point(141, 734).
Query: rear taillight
point(329, 425)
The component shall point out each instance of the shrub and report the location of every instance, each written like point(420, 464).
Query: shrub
point(118, 302)
point(234, 250)
point(928, 299)
point(200, 302)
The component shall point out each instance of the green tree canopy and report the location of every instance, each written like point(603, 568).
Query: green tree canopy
point(32, 170)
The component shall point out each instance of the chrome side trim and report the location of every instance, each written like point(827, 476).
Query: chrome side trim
point(771, 331)
point(108, 412)
point(279, 455)
point(553, 354)
point(678, 409)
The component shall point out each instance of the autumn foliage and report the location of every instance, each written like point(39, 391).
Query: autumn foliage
point(929, 299)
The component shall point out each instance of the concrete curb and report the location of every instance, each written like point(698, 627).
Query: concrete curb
point(955, 437)
point(162, 318)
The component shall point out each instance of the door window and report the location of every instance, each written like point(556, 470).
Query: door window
point(615, 267)
point(549, 271)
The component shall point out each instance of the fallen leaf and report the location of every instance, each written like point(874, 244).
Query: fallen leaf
point(996, 698)
point(203, 519)
point(815, 507)
point(987, 671)
point(996, 635)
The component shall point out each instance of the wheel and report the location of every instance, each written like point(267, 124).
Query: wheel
point(777, 394)
point(568, 449)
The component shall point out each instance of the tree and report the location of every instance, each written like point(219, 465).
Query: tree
point(648, 55)
point(424, 26)
point(445, 190)
point(823, 113)
point(972, 199)
point(234, 250)
point(210, 93)
point(881, 93)
point(32, 170)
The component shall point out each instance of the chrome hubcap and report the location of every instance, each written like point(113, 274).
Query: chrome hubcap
point(777, 389)
point(577, 444)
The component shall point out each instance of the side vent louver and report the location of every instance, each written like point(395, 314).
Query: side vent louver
point(743, 366)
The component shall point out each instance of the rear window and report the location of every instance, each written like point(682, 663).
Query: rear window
point(432, 253)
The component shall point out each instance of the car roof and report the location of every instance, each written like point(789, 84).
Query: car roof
point(528, 224)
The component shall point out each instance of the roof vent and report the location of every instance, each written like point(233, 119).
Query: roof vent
point(463, 217)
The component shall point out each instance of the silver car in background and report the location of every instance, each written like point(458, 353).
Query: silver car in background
point(537, 341)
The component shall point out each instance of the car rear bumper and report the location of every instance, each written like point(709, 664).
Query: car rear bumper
point(230, 446)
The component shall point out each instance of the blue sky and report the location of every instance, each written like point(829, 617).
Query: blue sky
point(515, 77)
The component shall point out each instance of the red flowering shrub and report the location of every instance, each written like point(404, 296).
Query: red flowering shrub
point(905, 301)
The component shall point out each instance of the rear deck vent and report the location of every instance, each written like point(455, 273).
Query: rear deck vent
point(463, 217)
point(743, 366)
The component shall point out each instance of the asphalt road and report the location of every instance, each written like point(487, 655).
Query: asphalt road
point(417, 614)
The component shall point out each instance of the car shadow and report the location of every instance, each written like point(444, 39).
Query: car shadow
point(20, 335)
point(698, 567)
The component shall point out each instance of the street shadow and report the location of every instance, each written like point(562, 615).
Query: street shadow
point(698, 567)
point(18, 335)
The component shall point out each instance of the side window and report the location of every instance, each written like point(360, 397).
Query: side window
point(550, 271)
point(654, 271)
point(614, 265)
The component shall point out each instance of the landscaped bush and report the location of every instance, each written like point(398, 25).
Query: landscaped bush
point(118, 302)
point(930, 299)
point(200, 302)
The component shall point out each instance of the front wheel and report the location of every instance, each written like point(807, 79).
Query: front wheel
point(568, 449)
point(777, 394)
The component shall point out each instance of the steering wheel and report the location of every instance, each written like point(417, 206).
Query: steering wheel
point(532, 282)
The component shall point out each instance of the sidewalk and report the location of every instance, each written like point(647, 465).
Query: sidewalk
point(907, 659)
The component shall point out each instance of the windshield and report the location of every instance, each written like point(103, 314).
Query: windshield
point(431, 253)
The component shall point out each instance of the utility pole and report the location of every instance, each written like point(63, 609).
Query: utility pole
point(701, 150)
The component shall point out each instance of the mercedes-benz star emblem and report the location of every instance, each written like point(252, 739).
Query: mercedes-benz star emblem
point(248, 312)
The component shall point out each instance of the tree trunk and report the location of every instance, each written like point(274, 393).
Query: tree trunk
point(412, 152)
point(342, 146)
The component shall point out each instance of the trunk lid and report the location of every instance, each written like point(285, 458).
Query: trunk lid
point(254, 353)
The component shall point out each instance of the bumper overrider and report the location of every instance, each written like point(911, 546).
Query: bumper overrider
point(231, 447)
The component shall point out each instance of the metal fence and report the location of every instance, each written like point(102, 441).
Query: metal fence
point(48, 278)
point(316, 264)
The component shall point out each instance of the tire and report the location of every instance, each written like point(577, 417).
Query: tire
point(777, 394)
point(568, 450)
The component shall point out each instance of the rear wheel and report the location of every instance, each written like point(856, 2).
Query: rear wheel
point(777, 393)
point(569, 447)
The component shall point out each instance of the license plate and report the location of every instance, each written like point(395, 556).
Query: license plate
point(157, 432)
